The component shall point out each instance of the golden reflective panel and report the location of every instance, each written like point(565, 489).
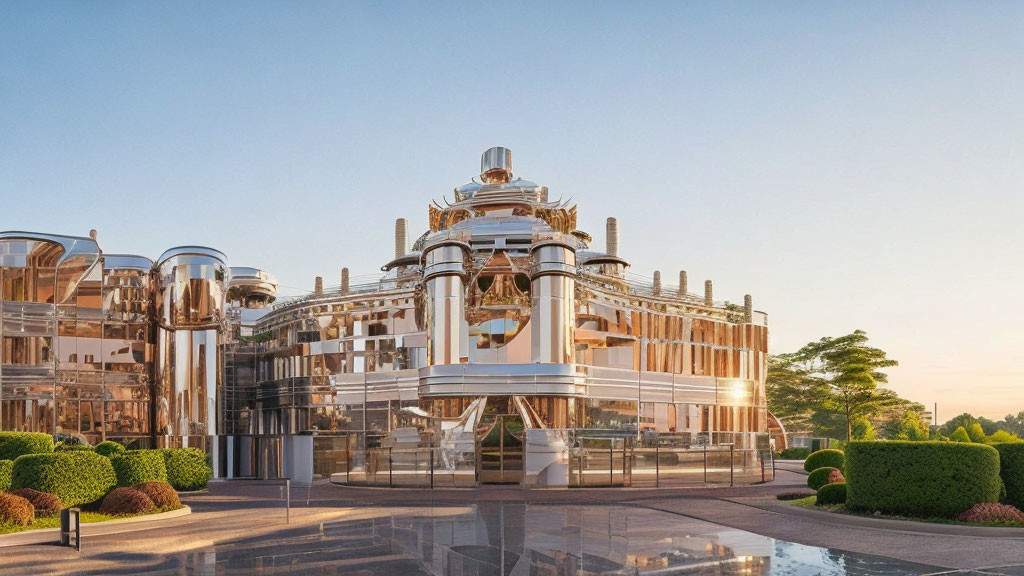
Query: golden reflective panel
point(502, 302)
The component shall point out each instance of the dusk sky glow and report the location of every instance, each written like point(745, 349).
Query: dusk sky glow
point(850, 165)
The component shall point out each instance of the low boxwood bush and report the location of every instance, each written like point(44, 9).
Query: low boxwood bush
point(795, 453)
point(109, 448)
point(45, 504)
point(75, 477)
point(137, 466)
point(62, 447)
point(161, 493)
point(827, 458)
point(6, 469)
point(125, 501)
point(14, 444)
point(831, 494)
point(987, 513)
point(1011, 470)
point(937, 479)
point(187, 468)
point(15, 510)
point(819, 477)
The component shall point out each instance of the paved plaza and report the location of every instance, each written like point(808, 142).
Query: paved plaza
point(240, 527)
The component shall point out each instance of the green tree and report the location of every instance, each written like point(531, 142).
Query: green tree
point(960, 435)
point(849, 369)
point(863, 430)
point(964, 420)
point(1003, 437)
point(793, 394)
point(909, 426)
point(976, 433)
point(1013, 424)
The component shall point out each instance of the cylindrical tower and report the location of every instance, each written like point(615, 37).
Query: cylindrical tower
point(611, 241)
point(401, 237)
point(190, 313)
point(553, 289)
point(444, 272)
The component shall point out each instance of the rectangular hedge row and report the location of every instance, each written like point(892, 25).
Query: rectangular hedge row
point(1011, 470)
point(920, 478)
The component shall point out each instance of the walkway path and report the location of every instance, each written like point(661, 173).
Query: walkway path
point(254, 513)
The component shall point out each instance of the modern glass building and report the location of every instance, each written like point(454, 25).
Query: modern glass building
point(502, 347)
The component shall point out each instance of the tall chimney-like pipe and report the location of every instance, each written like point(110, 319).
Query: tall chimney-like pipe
point(612, 237)
point(683, 287)
point(344, 280)
point(748, 309)
point(709, 294)
point(318, 286)
point(401, 236)
point(657, 283)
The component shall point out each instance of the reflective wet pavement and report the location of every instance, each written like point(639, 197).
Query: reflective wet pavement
point(517, 539)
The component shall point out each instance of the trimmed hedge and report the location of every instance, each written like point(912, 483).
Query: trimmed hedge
point(819, 477)
point(1011, 469)
point(44, 504)
point(827, 458)
point(16, 510)
point(75, 477)
point(920, 478)
point(161, 493)
point(14, 444)
point(831, 494)
point(139, 466)
point(6, 469)
point(126, 501)
point(795, 453)
point(109, 448)
point(187, 469)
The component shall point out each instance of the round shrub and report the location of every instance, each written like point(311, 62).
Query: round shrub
point(109, 448)
point(44, 504)
point(137, 466)
point(187, 468)
point(14, 444)
point(6, 469)
point(920, 478)
point(987, 513)
point(1011, 470)
point(161, 493)
point(15, 510)
point(831, 494)
point(820, 477)
point(827, 458)
point(62, 447)
point(126, 501)
point(75, 477)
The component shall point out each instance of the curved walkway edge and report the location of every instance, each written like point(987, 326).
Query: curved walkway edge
point(52, 535)
point(899, 539)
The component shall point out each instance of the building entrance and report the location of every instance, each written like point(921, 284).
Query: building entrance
point(500, 451)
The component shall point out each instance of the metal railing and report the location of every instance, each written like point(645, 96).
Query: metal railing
point(577, 461)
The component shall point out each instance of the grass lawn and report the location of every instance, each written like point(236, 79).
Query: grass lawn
point(43, 522)
point(808, 502)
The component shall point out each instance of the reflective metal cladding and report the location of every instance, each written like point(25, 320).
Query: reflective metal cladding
point(501, 318)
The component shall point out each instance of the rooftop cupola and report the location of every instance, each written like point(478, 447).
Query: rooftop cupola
point(496, 165)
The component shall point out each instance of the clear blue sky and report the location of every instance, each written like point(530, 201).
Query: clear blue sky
point(851, 165)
